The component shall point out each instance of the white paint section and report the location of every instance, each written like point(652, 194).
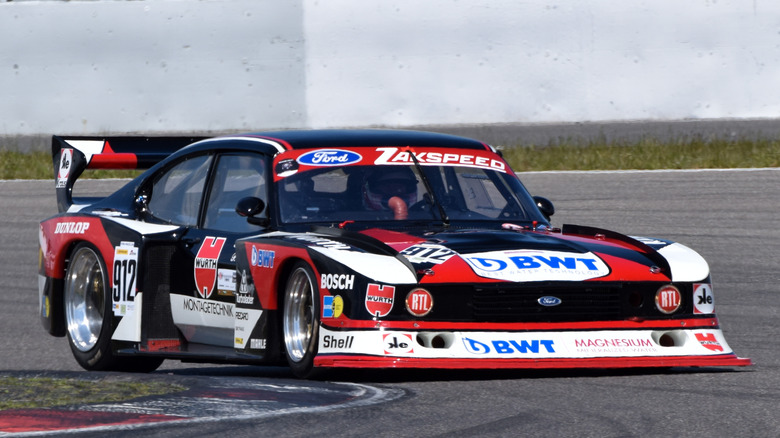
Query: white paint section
point(129, 327)
point(142, 227)
point(524, 345)
point(392, 270)
point(173, 66)
point(686, 264)
point(203, 321)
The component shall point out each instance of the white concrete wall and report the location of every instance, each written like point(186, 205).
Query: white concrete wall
point(178, 66)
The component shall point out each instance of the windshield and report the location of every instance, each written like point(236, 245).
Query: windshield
point(400, 193)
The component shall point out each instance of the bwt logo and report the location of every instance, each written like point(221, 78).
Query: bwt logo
point(509, 347)
point(535, 262)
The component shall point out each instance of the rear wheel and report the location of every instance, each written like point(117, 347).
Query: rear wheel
point(88, 315)
point(300, 320)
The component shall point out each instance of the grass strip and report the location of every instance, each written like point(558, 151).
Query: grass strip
point(685, 153)
point(43, 392)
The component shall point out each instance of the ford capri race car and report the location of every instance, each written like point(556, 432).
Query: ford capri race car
point(342, 248)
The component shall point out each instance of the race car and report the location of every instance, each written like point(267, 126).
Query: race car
point(352, 248)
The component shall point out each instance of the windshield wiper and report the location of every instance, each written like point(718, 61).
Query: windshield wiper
point(430, 197)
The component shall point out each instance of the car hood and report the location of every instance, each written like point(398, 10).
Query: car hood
point(574, 253)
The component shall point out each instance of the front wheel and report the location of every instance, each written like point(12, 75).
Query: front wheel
point(88, 315)
point(300, 320)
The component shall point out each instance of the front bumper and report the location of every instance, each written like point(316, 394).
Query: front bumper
point(613, 347)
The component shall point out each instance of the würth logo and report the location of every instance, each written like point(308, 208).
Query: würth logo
point(206, 265)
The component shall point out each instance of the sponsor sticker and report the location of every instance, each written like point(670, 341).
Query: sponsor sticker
point(509, 346)
point(419, 302)
point(668, 299)
point(226, 281)
point(206, 265)
point(66, 163)
point(392, 155)
point(71, 228)
point(398, 343)
point(379, 299)
point(534, 265)
point(703, 300)
point(263, 258)
point(332, 306)
point(337, 281)
point(336, 342)
point(124, 277)
point(245, 291)
point(709, 341)
point(330, 157)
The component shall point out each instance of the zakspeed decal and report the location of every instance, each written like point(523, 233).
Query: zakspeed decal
point(263, 258)
point(125, 273)
point(66, 163)
point(379, 299)
point(533, 265)
point(337, 281)
point(206, 265)
point(510, 346)
point(398, 343)
point(475, 159)
point(427, 253)
point(330, 157)
point(332, 306)
point(703, 300)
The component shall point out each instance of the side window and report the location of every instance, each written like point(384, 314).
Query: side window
point(177, 194)
point(237, 176)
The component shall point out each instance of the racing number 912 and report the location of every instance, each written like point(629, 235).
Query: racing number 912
point(125, 269)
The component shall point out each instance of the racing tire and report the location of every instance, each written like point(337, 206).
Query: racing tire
point(300, 320)
point(88, 315)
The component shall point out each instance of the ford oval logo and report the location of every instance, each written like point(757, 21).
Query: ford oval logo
point(549, 301)
point(329, 157)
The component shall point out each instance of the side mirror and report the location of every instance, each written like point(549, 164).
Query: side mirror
point(250, 207)
point(545, 206)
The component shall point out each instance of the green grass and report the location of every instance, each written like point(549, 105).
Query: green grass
point(647, 154)
point(42, 392)
point(689, 153)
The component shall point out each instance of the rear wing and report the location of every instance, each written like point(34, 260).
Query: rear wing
point(72, 155)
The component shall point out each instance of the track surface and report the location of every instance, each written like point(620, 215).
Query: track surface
point(730, 217)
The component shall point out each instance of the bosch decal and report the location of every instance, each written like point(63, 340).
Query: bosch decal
point(703, 300)
point(330, 157)
point(379, 299)
point(534, 265)
point(337, 281)
point(206, 265)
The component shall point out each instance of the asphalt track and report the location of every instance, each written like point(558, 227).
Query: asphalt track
point(731, 217)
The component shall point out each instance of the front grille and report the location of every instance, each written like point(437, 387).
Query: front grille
point(519, 302)
point(522, 304)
